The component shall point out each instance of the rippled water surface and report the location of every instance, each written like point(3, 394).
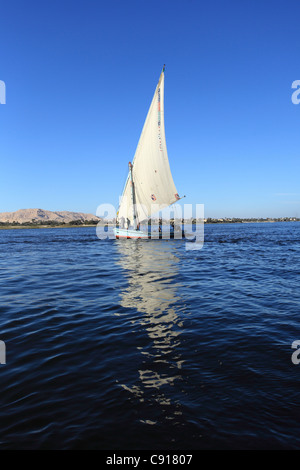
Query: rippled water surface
point(134, 344)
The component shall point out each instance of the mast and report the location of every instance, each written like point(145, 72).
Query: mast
point(132, 196)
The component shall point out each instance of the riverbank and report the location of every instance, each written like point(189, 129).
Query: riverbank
point(110, 224)
point(21, 226)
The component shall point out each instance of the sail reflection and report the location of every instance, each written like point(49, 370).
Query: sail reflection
point(152, 270)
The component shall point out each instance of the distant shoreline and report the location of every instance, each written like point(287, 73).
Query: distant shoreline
point(109, 224)
point(24, 226)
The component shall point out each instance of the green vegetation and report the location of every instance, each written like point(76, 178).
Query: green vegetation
point(93, 223)
point(47, 224)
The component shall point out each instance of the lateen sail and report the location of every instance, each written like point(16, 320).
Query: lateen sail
point(152, 178)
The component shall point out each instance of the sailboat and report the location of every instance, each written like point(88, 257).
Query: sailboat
point(149, 184)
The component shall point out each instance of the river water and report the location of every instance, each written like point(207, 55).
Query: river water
point(134, 344)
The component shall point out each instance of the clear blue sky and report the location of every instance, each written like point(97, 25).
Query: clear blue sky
point(80, 76)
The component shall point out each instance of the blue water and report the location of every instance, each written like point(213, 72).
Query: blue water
point(134, 344)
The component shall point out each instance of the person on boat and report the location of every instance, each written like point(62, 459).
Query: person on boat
point(160, 225)
point(122, 222)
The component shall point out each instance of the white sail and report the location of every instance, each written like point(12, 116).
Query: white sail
point(152, 178)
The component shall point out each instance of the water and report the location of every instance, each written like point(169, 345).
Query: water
point(133, 344)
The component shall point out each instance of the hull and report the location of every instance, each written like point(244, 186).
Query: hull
point(124, 233)
point(130, 233)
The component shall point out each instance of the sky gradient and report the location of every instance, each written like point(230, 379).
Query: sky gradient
point(80, 77)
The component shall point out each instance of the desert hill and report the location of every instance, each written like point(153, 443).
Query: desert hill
point(24, 216)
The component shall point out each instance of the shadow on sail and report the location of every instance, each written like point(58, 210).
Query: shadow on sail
point(152, 290)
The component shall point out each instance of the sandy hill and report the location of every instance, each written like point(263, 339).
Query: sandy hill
point(39, 215)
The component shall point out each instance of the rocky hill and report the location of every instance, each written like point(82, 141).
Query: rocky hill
point(24, 216)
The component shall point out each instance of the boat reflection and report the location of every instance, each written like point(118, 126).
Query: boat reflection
point(152, 270)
